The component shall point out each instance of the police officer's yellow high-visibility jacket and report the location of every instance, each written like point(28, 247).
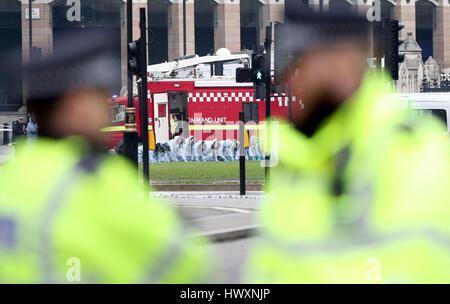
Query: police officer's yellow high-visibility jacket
point(65, 218)
point(365, 199)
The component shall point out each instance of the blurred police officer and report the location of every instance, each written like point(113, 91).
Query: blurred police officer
point(360, 194)
point(78, 216)
point(18, 129)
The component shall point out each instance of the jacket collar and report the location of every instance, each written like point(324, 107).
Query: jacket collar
point(360, 114)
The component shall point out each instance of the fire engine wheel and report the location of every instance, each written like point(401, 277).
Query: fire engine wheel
point(119, 147)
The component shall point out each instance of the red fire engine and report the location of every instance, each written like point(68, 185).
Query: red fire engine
point(188, 90)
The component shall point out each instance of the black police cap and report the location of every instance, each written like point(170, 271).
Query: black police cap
point(305, 29)
point(84, 60)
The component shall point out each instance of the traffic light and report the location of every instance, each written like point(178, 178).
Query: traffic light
point(392, 56)
point(243, 75)
point(257, 73)
point(134, 50)
point(259, 66)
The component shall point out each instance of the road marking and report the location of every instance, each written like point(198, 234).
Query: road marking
point(238, 210)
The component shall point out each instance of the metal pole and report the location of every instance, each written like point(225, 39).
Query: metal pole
point(290, 88)
point(5, 134)
point(144, 101)
point(241, 153)
point(30, 24)
point(148, 30)
point(130, 136)
point(268, 45)
point(377, 43)
point(268, 91)
point(258, 23)
point(30, 41)
point(184, 27)
point(129, 40)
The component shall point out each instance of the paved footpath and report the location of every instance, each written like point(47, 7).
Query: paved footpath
point(6, 153)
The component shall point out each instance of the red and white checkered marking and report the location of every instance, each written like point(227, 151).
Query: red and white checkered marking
point(221, 97)
point(282, 99)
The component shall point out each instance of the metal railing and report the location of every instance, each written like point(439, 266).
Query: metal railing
point(434, 86)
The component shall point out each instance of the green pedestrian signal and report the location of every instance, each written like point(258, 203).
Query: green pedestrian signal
point(259, 65)
point(259, 76)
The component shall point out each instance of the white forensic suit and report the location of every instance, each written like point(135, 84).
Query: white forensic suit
point(189, 144)
point(212, 149)
point(199, 151)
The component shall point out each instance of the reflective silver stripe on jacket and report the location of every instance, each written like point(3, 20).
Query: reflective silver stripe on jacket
point(170, 256)
point(54, 204)
point(361, 201)
point(56, 201)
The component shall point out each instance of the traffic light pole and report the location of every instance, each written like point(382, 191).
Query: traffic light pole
point(30, 39)
point(378, 43)
point(391, 43)
point(290, 88)
point(241, 153)
point(268, 45)
point(144, 89)
point(149, 31)
point(30, 28)
point(184, 28)
point(130, 136)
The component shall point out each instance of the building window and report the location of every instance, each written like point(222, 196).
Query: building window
point(425, 24)
point(440, 114)
point(339, 6)
point(251, 15)
point(117, 113)
point(10, 41)
point(205, 19)
point(158, 38)
point(102, 16)
point(387, 9)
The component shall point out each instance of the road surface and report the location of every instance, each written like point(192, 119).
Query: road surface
point(213, 212)
point(231, 257)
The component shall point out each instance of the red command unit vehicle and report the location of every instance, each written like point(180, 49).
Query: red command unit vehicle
point(208, 103)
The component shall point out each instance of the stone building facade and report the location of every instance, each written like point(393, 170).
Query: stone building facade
point(414, 71)
point(411, 70)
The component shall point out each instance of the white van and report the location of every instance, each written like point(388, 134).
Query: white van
point(426, 104)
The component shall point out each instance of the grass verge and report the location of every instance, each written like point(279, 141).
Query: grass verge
point(203, 172)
